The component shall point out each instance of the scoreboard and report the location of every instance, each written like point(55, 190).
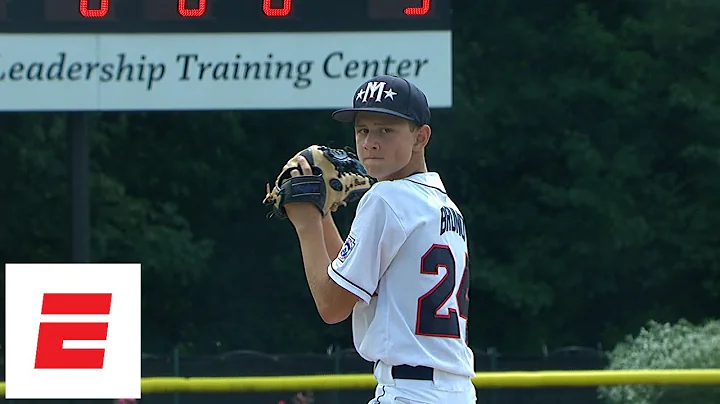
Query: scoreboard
point(195, 16)
point(81, 55)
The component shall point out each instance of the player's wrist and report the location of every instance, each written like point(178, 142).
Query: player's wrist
point(307, 221)
point(327, 220)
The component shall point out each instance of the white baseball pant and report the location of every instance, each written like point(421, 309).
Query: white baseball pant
point(408, 385)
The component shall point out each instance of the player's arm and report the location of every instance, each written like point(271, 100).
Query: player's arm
point(333, 241)
point(334, 303)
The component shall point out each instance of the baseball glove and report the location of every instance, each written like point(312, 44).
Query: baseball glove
point(338, 178)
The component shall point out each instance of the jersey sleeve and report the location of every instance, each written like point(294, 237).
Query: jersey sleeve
point(375, 237)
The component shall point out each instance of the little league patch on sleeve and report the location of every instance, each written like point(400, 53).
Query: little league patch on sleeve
point(346, 248)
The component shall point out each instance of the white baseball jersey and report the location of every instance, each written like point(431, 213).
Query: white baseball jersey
point(406, 257)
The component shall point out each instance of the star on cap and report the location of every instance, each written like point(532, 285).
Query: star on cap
point(389, 93)
point(360, 94)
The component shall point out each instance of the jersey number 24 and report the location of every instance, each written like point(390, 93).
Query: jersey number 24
point(429, 322)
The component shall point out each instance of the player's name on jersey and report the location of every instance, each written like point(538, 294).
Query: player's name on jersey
point(451, 220)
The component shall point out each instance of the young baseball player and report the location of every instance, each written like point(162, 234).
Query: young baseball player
point(403, 270)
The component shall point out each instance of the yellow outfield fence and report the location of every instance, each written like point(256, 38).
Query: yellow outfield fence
point(156, 385)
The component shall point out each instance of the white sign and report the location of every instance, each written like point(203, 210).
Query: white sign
point(279, 71)
point(72, 331)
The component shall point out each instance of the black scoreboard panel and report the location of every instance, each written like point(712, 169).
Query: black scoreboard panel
point(198, 16)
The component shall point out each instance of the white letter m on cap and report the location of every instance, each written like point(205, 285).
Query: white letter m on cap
point(374, 89)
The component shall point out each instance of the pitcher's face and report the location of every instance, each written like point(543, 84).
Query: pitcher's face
point(384, 143)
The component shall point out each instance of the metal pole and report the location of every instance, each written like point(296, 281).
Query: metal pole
point(79, 173)
point(337, 357)
point(176, 371)
point(494, 354)
point(78, 154)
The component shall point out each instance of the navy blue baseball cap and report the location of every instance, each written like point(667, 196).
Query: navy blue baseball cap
point(390, 95)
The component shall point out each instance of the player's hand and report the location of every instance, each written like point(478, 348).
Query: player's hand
point(301, 212)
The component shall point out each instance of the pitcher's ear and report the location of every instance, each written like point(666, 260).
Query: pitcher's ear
point(422, 137)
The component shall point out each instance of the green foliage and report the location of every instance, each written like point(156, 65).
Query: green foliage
point(586, 186)
point(666, 346)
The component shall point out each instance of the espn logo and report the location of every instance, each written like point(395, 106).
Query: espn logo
point(50, 353)
point(72, 331)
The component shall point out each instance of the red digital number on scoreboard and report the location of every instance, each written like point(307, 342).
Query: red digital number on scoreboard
point(194, 12)
point(88, 12)
point(277, 12)
point(199, 11)
point(422, 10)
